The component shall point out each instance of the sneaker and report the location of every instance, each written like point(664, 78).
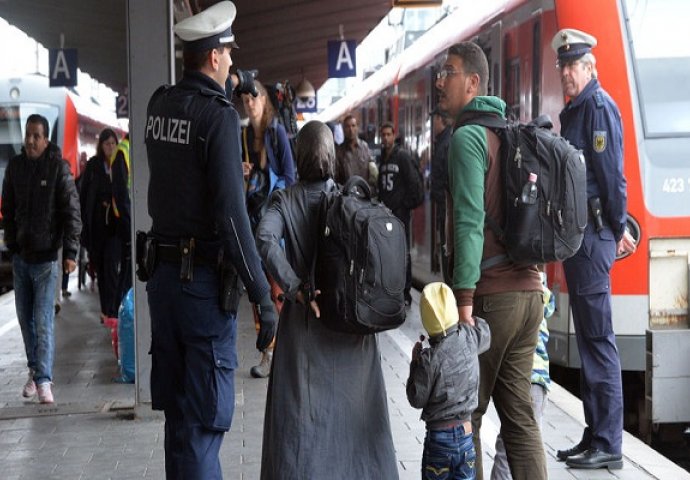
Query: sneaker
point(66, 293)
point(45, 393)
point(29, 389)
point(263, 369)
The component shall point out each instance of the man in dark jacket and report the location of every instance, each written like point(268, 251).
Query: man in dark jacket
point(442, 125)
point(40, 208)
point(193, 330)
point(396, 174)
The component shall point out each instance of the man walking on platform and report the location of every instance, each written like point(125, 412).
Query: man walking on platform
point(200, 242)
point(396, 176)
point(353, 156)
point(592, 123)
point(507, 296)
point(41, 213)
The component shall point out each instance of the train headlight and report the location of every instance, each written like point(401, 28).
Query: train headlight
point(14, 93)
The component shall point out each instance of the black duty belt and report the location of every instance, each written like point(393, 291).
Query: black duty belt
point(172, 254)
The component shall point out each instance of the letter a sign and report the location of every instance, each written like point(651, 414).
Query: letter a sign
point(342, 59)
point(62, 67)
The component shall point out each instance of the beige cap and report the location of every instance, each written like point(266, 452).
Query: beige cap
point(438, 309)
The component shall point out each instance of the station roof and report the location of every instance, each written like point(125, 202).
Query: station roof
point(283, 39)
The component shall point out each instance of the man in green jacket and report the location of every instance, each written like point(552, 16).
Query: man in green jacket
point(508, 297)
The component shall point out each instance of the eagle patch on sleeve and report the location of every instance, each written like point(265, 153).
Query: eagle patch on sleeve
point(599, 140)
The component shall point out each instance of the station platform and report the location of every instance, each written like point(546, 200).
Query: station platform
point(94, 432)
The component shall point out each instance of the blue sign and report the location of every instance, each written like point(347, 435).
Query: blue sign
point(305, 104)
point(342, 61)
point(62, 67)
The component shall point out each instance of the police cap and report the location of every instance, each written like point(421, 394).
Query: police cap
point(571, 44)
point(208, 29)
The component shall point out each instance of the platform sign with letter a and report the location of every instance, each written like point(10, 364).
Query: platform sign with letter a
point(342, 58)
point(62, 67)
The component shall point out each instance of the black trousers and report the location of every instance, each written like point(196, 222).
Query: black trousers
point(107, 265)
point(404, 216)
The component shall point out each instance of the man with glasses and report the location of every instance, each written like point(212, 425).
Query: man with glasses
point(507, 296)
point(591, 122)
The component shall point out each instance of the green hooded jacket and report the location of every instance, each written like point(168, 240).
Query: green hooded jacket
point(468, 164)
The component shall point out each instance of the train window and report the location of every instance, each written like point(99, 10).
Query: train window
point(662, 64)
point(512, 97)
point(13, 122)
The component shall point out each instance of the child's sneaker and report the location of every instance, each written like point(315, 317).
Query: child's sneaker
point(29, 389)
point(45, 393)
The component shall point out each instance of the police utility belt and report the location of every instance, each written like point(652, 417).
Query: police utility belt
point(151, 251)
point(596, 215)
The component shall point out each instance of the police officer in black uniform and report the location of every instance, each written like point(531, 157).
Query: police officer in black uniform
point(199, 242)
point(591, 122)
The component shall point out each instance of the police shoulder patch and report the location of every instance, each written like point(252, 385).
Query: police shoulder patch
point(599, 142)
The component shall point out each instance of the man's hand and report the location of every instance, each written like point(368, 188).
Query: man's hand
point(267, 322)
point(626, 244)
point(69, 265)
point(465, 313)
point(245, 82)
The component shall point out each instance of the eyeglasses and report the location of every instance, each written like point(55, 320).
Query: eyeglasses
point(445, 73)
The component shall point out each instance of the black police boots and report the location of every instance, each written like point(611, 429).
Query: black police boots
point(594, 458)
point(563, 455)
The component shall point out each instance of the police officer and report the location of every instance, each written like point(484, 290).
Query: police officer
point(196, 202)
point(591, 122)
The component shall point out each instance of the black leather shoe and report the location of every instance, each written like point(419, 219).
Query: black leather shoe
point(594, 458)
point(563, 455)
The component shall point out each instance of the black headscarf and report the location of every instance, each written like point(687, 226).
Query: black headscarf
point(315, 152)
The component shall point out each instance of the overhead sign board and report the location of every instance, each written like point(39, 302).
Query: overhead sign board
point(417, 3)
point(342, 61)
point(62, 67)
point(122, 106)
point(305, 104)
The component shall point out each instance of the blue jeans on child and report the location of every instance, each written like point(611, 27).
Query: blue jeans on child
point(448, 454)
point(34, 298)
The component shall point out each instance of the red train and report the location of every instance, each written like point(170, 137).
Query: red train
point(74, 126)
point(647, 74)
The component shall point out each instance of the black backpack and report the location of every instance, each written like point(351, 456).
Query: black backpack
point(360, 262)
point(551, 228)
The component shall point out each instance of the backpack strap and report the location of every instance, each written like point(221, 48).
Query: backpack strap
point(493, 261)
point(496, 124)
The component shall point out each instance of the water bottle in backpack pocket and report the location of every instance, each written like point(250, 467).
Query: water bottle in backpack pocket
point(525, 214)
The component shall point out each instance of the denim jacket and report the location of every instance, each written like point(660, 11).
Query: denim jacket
point(444, 380)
